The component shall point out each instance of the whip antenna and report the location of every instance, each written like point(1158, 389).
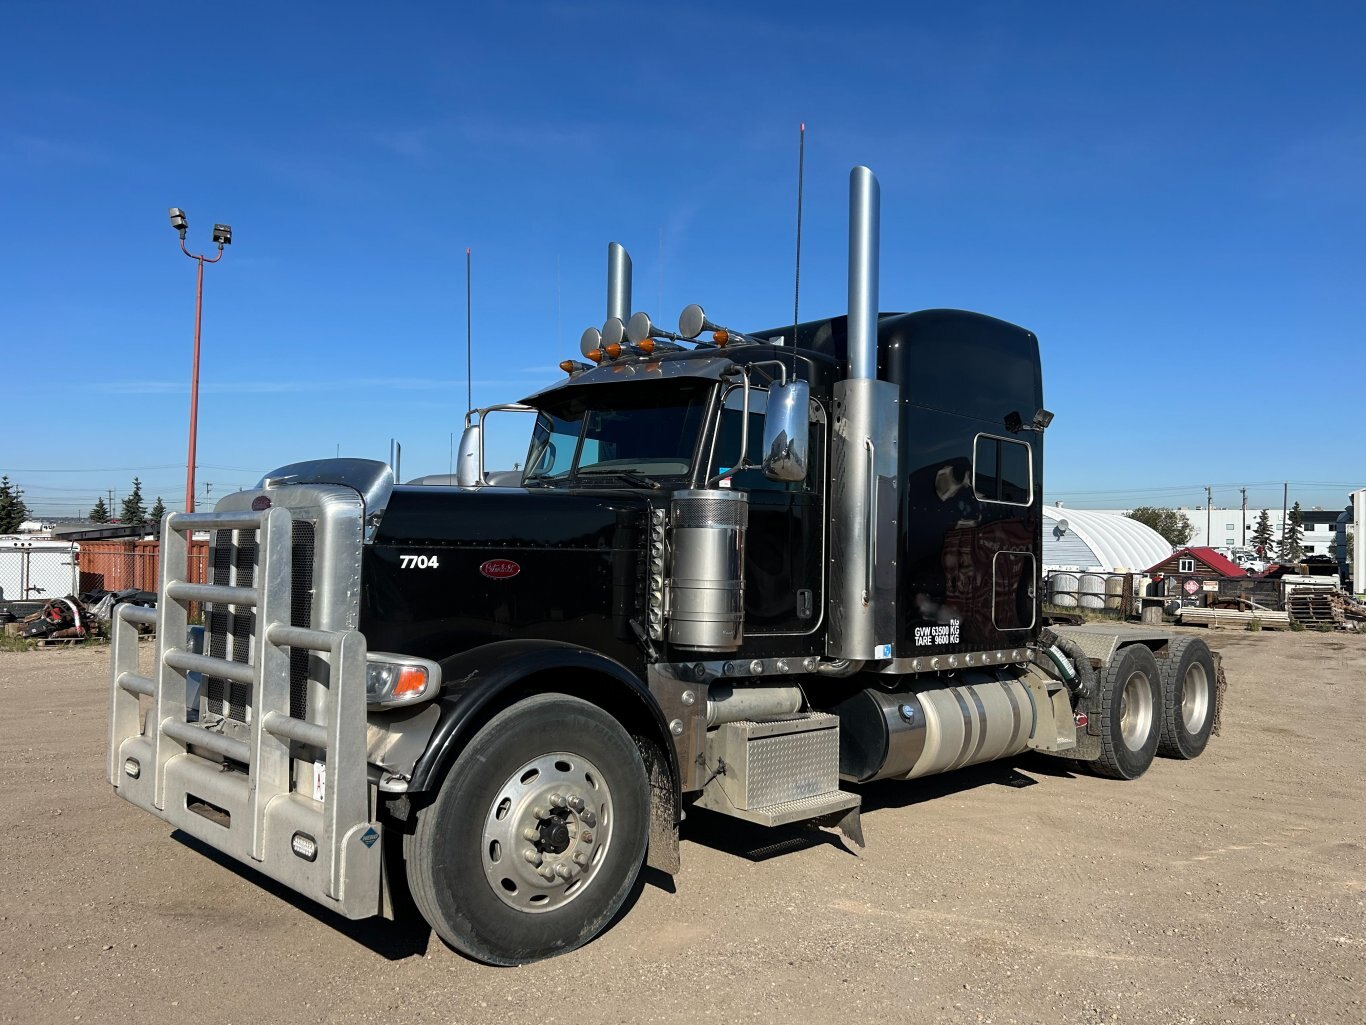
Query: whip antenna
point(797, 283)
point(469, 359)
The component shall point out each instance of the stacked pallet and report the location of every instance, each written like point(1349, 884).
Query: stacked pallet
point(1316, 608)
point(1325, 609)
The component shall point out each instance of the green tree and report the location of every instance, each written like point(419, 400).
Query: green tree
point(1291, 547)
point(100, 512)
point(1170, 523)
point(157, 514)
point(1262, 538)
point(133, 511)
point(13, 511)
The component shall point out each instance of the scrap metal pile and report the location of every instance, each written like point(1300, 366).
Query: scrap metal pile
point(58, 619)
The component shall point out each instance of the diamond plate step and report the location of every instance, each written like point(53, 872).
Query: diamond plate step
point(785, 812)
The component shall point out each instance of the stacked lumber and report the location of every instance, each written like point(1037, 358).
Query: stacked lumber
point(1270, 620)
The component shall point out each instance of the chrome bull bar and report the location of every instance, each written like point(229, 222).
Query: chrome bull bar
point(326, 849)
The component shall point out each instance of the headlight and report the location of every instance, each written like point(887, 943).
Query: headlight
point(399, 679)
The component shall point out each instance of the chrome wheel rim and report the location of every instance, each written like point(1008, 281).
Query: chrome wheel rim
point(1136, 711)
point(1195, 698)
point(546, 832)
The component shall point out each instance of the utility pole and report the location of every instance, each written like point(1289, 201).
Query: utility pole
point(1243, 542)
point(1209, 512)
point(1285, 510)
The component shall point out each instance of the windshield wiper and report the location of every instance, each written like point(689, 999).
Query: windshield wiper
point(630, 476)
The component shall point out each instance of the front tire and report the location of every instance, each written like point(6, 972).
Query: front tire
point(1131, 713)
point(1188, 690)
point(536, 836)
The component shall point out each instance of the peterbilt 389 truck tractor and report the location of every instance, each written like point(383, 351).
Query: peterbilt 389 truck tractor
point(742, 573)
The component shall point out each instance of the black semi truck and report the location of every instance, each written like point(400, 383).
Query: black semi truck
point(742, 573)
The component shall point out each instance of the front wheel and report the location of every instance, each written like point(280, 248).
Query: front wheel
point(1131, 713)
point(536, 836)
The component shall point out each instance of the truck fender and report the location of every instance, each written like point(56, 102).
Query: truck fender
point(483, 680)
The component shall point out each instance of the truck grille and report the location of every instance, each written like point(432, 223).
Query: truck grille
point(229, 630)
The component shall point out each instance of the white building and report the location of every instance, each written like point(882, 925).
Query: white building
point(1226, 528)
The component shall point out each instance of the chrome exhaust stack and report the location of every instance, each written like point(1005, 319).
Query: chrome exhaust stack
point(864, 496)
point(618, 282)
point(865, 203)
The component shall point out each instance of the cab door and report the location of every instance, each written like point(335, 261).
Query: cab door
point(784, 545)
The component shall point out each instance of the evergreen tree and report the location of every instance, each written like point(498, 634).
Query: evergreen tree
point(134, 512)
point(1262, 538)
point(100, 512)
point(1291, 547)
point(1170, 523)
point(13, 512)
point(157, 514)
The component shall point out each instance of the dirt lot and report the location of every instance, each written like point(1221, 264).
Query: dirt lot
point(1230, 889)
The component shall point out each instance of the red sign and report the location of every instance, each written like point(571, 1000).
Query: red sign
point(1191, 586)
point(500, 569)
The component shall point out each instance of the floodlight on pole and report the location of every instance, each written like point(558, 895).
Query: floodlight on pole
point(222, 235)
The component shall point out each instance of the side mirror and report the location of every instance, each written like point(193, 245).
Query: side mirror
point(787, 429)
point(469, 463)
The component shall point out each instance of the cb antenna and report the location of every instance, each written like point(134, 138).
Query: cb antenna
point(469, 359)
point(797, 282)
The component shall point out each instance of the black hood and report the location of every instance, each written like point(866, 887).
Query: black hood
point(453, 568)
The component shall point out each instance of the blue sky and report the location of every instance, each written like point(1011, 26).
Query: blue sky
point(1169, 195)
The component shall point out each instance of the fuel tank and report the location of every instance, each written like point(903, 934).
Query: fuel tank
point(452, 568)
point(919, 729)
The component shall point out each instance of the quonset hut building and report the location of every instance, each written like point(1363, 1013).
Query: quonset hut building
point(1101, 542)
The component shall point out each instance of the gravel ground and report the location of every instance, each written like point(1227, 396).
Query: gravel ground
point(1229, 889)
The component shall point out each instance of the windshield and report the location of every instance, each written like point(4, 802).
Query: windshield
point(618, 432)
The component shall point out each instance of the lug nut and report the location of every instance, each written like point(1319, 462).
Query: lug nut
point(581, 859)
point(576, 804)
point(532, 855)
point(531, 833)
point(589, 819)
point(557, 800)
point(540, 813)
point(547, 873)
point(563, 871)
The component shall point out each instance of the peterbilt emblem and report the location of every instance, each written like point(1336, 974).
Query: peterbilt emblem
point(500, 569)
point(260, 503)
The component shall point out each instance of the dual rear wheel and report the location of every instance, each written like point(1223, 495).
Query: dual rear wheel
point(1151, 706)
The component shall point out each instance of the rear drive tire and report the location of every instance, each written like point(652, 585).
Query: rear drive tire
point(536, 836)
point(1188, 696)
point(1130, 713)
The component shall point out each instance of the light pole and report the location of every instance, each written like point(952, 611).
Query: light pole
point(222, 234)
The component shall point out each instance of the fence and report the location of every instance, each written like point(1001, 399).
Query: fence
point(117, 565)
point(37, 573)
